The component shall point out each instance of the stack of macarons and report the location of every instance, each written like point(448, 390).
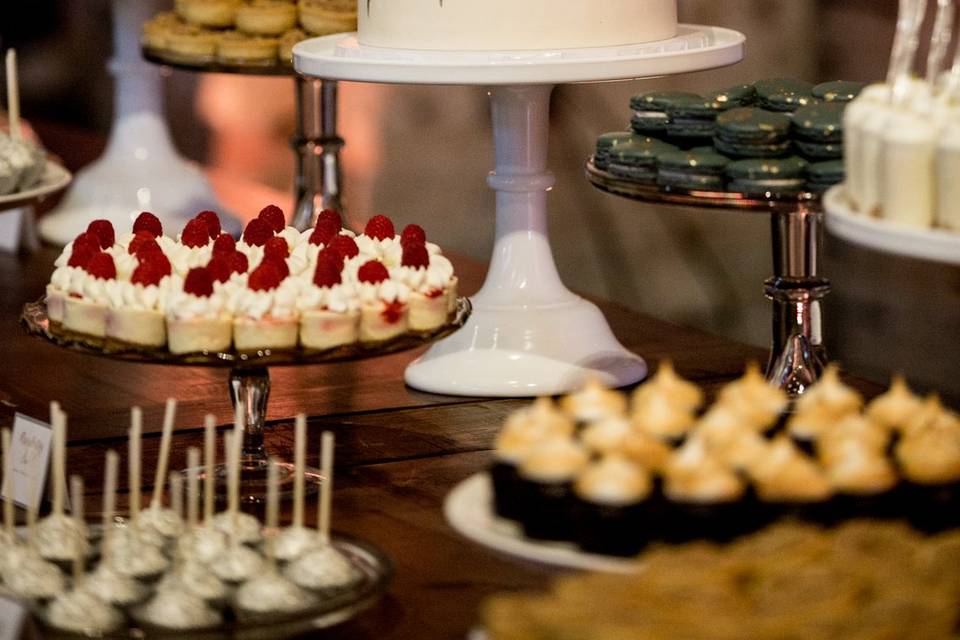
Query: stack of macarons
point(775, 137)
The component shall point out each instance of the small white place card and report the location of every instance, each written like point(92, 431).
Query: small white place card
point(31, 447)
point(13, 615)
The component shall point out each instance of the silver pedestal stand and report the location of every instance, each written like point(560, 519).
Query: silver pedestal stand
point(797, 353)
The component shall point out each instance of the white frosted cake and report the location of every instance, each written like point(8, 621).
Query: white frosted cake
point(481, 25)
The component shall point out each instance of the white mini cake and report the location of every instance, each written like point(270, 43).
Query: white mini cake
point(329, 307)
point(513, 24)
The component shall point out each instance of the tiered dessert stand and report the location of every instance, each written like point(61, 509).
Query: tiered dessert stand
point(141, 169)
point(797, 353)
point(315, 142)
point(844, 221)
point(249, 382)
point(528, 335)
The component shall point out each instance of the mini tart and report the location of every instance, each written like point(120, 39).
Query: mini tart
point(266, 333)
point(83, 316)
point(930, 457)
point(199, 335)
point(193, 45)
point(786, 475)
point(694, 476)
point(593, 403)
point(658, 417)
point(287, 42)
point(240, 48)
point(831, 395)
point(645, 450)
point(678, 391)
point(324, 17)
point(382, 321)
point(754, 399)
point(324, 329)
point(266, 17)
point(607, 435)
point(613, 481)
point(157, 30)
point(894, 408)
point(557, 460)
point(428, 311)
point(527, 427)
point(809, 425)
point(140, 327)
point(930, 415)
point(856, 428)
point(856, 469)
point(218, 14)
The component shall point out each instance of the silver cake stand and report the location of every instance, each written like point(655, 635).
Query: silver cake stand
point(315, 142)
point(797, 353)
point(248, 380)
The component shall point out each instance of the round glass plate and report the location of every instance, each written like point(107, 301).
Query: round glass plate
point(186, 63)
point(469, 509)
point(376, 571)
point(54, 179)
point(606, 181)
point(35, 321)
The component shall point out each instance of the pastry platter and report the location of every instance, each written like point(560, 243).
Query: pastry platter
point(935, 245)
point(190, 64)
point(469, 509)
point(54, 180)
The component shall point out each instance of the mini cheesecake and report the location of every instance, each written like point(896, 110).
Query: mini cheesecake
point(329, 314)
point(197, 321)
point(265, 312)
point(428, 276)
point(85, 307)
point(384, 313)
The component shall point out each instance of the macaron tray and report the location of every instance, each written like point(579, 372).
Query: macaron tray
point(774, 139)
point(611, 474)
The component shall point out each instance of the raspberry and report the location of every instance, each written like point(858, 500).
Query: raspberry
point(195, 234)
point(273, 216)
point(281, 265)
point(265, 277)
point(379, 227)
point(276, 248)
point(147, 273)
point(212, 220)
point(345, 246)
point(101, 266)
point(224, 244)
point(413, 233)
point(327, 273)
point(239, 263)
point(103, 230)
point(257, 233)
point(331, 254)
point(88, 240)
point(157, 260)
point(199, 282)
point(324, 232)
point(82, 252)
point(415, 256)
point(149, 223)
point(142, 241)
point(219, 268)
point(373, 272)
point(329, 215)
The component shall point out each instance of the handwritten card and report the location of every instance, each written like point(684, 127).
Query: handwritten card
point(30, 457)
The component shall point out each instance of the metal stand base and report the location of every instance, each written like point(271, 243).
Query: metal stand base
point(317, 145)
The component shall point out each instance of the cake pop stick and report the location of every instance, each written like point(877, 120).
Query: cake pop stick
point(299, 462)
point(13, 95)
point(32, 512)
point(111, 465)
point(326, 489)
point(193, 466)
point(76, 497)
point(940, 41)
point(273, 499)
point(133, 465)
point(176, 494)
point(7, 484)
point(57, 419)
point(232, 493)
point(169, 415)
point(209, 463)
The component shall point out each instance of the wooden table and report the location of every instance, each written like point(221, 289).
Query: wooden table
point(399, 451)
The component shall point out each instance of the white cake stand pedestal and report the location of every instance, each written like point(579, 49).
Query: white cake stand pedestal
point(528, 335)
point(140, 169)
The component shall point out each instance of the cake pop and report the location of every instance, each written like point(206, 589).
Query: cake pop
point(238, 526)
point(237, 562)
point(294, 540)
point(204, 542)
point(166, 522)
point(324, 567)
point(26, 573)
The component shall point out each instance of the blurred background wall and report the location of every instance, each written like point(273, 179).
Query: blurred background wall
point(422, 153)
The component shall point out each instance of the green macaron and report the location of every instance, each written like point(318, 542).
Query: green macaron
point(637, 160)
point(767, 176)
point(606, 142)
point(838, 90)
point(784, 94)
point(700, 168)
point(820, 122)
point(691, 117)
point(748, 132)
point(741, 95)
point(823, 175)
point(650, 109)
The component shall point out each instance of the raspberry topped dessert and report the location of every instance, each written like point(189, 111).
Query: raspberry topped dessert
point(274, 288)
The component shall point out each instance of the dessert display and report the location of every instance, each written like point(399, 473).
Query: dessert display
point(457, 25)
point(863, 579)
point(196, 586)
point(614, 477)
point(243, 33)
point(779, 137)
point(274, 290)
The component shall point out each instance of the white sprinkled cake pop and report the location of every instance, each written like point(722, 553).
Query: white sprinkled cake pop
point(203, 542)
point(293, 541)
point(26, 573)
point(237, 562)
point(239, 527)
point(164, 521)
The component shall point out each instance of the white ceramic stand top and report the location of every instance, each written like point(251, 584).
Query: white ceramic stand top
point(528, 335)
point(140, 169)
point(934, 245)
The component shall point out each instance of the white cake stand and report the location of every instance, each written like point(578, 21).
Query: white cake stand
point(528, 335)
point(140, 170)
point(934, 245)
